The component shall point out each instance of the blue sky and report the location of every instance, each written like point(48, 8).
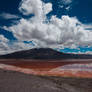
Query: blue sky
point(81, 9)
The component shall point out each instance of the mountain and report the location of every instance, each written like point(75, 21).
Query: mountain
point(43, 53)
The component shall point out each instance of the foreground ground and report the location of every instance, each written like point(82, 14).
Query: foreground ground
point(11, 81)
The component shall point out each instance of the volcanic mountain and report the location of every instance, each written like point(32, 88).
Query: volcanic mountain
point(43, 54)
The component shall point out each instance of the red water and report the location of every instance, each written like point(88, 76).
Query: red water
point(39, 67)
point(43, 65)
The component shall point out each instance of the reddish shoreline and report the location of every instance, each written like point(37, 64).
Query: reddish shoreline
point(42, 65)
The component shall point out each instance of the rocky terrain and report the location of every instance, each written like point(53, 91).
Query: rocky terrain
point(11, 81)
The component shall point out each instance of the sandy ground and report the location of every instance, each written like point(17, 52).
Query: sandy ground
point(11, 81)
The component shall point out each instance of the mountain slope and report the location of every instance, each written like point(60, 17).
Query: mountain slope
point(43, 53)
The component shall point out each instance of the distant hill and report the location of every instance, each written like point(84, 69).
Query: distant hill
point(43, 53)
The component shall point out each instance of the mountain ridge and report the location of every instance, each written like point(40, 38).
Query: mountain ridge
point(43, 53)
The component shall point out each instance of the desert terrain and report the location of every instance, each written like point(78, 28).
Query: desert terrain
point(20, 75)
point(11, 81)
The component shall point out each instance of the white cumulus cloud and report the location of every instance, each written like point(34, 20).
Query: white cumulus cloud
point(6, 47)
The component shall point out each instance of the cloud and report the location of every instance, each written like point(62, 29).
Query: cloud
point(66, 1)
point(68, 8)
point(2, 38)
point(8, 16)
point(7, 47)
point(36, 7)
point(66, 4)
point(3, 42)
point(56, 32)
point(64, 32)
point(31, 7)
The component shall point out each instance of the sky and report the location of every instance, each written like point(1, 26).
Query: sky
point(64, 25)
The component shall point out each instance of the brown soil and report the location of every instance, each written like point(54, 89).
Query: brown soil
point(11, 81)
